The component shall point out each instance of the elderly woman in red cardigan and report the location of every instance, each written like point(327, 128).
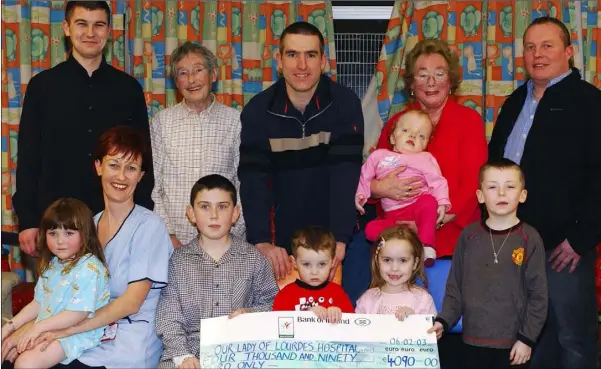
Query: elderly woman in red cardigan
point(458, 140)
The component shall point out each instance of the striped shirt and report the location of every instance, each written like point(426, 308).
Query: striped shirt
point(186, 146)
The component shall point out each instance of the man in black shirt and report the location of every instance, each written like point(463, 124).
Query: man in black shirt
point(66, 109)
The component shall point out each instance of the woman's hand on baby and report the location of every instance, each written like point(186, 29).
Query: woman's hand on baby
point(399, 189)
point(520, 353)
point(441, 213)
point(403, 312)
point(438, 328)
point(359, 201)
point(237, 312)
point(190, 363)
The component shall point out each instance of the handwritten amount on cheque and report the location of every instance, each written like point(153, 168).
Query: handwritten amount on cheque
point(261, 351)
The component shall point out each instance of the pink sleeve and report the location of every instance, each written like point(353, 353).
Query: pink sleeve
point(435, 180)
point(426, 305)
point(365, 303)
point(368, 173)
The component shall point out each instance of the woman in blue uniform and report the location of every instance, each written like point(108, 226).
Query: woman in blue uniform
point(137, 250)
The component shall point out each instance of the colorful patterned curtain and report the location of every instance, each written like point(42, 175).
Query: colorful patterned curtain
point(487, 35)
point(244, 35)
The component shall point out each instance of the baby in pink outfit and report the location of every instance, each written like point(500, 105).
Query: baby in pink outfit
point(410, 138)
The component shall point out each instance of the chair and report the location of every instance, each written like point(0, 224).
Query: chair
point(16, 292)
point(437, 281)
point(9, 281)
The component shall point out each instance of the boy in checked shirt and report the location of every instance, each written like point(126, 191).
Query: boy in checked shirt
point(215, 274)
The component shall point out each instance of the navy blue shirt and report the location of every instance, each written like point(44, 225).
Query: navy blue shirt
point(306, 166)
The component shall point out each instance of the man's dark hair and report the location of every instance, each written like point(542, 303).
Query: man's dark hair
point(212, 182)
point(564, 31)
point(88, 5)
point(302, 28)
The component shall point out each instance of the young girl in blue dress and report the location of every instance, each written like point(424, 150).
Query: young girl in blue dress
point(73, 284)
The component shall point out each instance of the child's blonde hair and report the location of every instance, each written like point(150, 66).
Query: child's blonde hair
point(406, 116)
point(403, 233)
point(71, 214)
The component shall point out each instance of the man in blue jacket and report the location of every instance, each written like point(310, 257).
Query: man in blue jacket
point(300, 152)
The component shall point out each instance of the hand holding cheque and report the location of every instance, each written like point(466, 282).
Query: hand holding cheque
point(301, 340)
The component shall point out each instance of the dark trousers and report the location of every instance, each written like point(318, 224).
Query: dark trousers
point(75, 364)
point(488, 358)
point(357, 264)
point(568, 340)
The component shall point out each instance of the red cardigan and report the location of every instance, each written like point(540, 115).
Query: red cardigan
point(459, 145)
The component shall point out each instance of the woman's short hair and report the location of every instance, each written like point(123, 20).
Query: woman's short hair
point(123, 140)
point(428, 47)
point(189, 48)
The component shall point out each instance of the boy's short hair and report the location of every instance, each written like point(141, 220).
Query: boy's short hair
point(212, 182)
point(88, 5)
point(500, 164)
point(314, 238)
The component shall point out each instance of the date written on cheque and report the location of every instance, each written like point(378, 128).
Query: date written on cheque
point(408, 341)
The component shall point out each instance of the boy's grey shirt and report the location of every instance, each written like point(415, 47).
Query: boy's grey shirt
point(503, 302)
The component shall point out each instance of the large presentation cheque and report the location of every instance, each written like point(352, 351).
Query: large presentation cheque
point(300, 340)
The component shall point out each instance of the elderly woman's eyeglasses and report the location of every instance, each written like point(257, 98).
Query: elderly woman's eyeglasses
point(424, 77)
point(184, 73)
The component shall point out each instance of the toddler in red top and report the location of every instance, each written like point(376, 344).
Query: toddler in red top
point(313, 251)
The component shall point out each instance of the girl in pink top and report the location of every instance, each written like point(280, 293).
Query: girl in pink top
point(395, 266)
point(410, 138)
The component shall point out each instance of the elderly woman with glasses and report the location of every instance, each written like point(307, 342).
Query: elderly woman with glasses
point(457, 142)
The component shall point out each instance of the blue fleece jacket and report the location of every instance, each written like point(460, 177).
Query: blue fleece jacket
point(304, 166)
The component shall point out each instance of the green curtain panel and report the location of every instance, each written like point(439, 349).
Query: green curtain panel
point(244, 35)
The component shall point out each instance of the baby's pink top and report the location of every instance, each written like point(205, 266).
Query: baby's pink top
point(373, 301)
point(382, 161)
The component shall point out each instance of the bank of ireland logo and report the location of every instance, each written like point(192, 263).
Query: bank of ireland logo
point(286, 327)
